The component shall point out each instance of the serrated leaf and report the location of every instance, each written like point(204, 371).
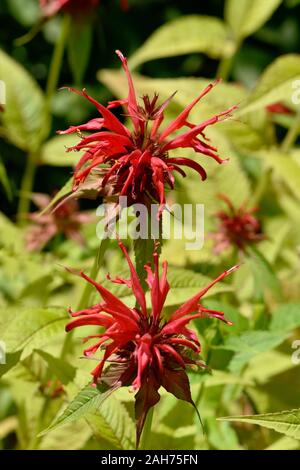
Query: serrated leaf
point(186, 35)
point(247, 16)
point(275, 84)
point(284, 422)
point(113, 423)
point(54, 152)
point(87, 400)
point(25, 121)
point(62, 369)
point(32, 327)
point(286, 317)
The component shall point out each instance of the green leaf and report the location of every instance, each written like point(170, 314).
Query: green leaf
point(247, 16)
point(79, 48)
point(263, 367)
point(284, 443)
point(286, 318)
point(186, 35)
point(10, 361)
point(54, 152)
point(32, 327)
point(86, 401)
point(249, 344)
point(284, 422)
point(286, 168)
point(113, 423)
point(276, 84)
point(26, 16)
point(25, 121)
point(63, 371)
point(264, 276)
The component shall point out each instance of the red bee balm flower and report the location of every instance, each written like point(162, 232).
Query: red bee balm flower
point(143, 349)
point(238, 227)
point(136, 163)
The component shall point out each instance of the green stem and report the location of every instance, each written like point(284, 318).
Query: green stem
point(87, 291)
point(147, 430)
point(57, 60)
point(291, 135)
point(26, 188)
point(225, 66)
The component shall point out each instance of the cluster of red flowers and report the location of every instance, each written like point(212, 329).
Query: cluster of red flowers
point(120, 162)
point(237, 227)
point(143, 349)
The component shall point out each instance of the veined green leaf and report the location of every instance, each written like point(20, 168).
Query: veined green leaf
point(113, 423)
point(276, 84)
point(32, 327)
point(284, 422)
point(186, 35)
point(25, 121)
point(247, 16)
point(87, 400)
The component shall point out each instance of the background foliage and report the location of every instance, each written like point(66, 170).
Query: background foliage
point(171, 45)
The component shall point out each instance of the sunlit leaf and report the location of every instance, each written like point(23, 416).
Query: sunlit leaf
point(186, 35)
point(25, 119)
point(275, 84)
point(247, 16)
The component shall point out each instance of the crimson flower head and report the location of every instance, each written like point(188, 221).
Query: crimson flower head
point(66, 219)
point(143, 349)
point(137, 163)
point(237, 227)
